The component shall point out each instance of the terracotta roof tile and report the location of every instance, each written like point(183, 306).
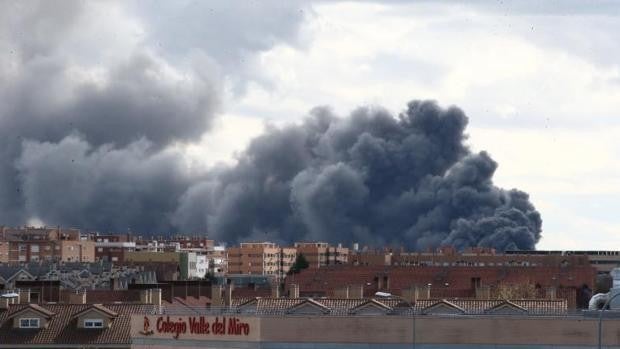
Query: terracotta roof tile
point(37, 308)
point(101, 308)
point(62, 327)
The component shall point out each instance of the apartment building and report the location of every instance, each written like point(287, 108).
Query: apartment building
point(217, 258)
point(25, 245)
point(262, 258)
point(321, 254)
point(112, 247)
point(183, 265)
point(603, 260)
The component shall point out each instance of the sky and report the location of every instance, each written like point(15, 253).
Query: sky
point(189, 84)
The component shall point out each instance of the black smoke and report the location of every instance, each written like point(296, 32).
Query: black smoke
point(92, 118)
point(372, 178)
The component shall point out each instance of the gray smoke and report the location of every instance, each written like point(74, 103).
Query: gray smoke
point(371, 178)
point(92, 110)
point(94, 100)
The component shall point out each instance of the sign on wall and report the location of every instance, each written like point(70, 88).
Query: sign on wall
point(226, 327)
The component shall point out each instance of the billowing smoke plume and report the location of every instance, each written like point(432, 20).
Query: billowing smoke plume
point(92, 108)
point(96, 96)
point(370, 178)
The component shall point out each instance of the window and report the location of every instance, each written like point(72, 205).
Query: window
point(93, 323)
point(29, 323)
point(34, 248)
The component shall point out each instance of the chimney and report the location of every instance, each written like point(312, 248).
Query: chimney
point(411, 294)
point(483, 292)
point(24, 296)
point(356, 291)
point(78, 297)
point(293, 291)
point(145, 297)
point(228, 297)
point(275, 290)
point(4, 303)
point(115, 284)
point(216, 296)
point(342, 292)
point(156, 296)
point(552, 292)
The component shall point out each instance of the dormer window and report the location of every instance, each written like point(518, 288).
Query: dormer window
point(93, 323)
point(29, 323)
point(95, 316)
point(32, 316)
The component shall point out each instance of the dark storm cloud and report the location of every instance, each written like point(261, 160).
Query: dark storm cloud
point(370, 178)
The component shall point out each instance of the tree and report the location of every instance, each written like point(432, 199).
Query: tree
point(300, 264)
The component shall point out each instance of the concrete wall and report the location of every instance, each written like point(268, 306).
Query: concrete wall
point(398, 332)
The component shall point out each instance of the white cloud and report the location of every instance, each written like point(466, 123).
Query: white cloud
point(230, 134)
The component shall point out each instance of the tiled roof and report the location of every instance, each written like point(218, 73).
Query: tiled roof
point(101, 308)
point(372, 302)
point(339, 306)
point(37, 308)
point(479, 306)
point(62, 327)
point(312, 304)
point(443, 304)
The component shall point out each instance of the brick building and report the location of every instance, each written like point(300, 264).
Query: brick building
point(321, 254)
point(25, 245)
point(112, 247)
point(263, 258)
point(571, 279)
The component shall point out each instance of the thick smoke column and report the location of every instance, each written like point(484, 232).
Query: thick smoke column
point(98, 98)
point(370, 178)
point(92, 114)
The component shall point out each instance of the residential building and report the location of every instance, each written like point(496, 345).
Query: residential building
point(321, 254)
point(25, 245)
point(603, 260)
point(170, 265)
point(263, 258)
point(217, 257)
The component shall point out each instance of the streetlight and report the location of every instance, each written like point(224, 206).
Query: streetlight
point(600, 318)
